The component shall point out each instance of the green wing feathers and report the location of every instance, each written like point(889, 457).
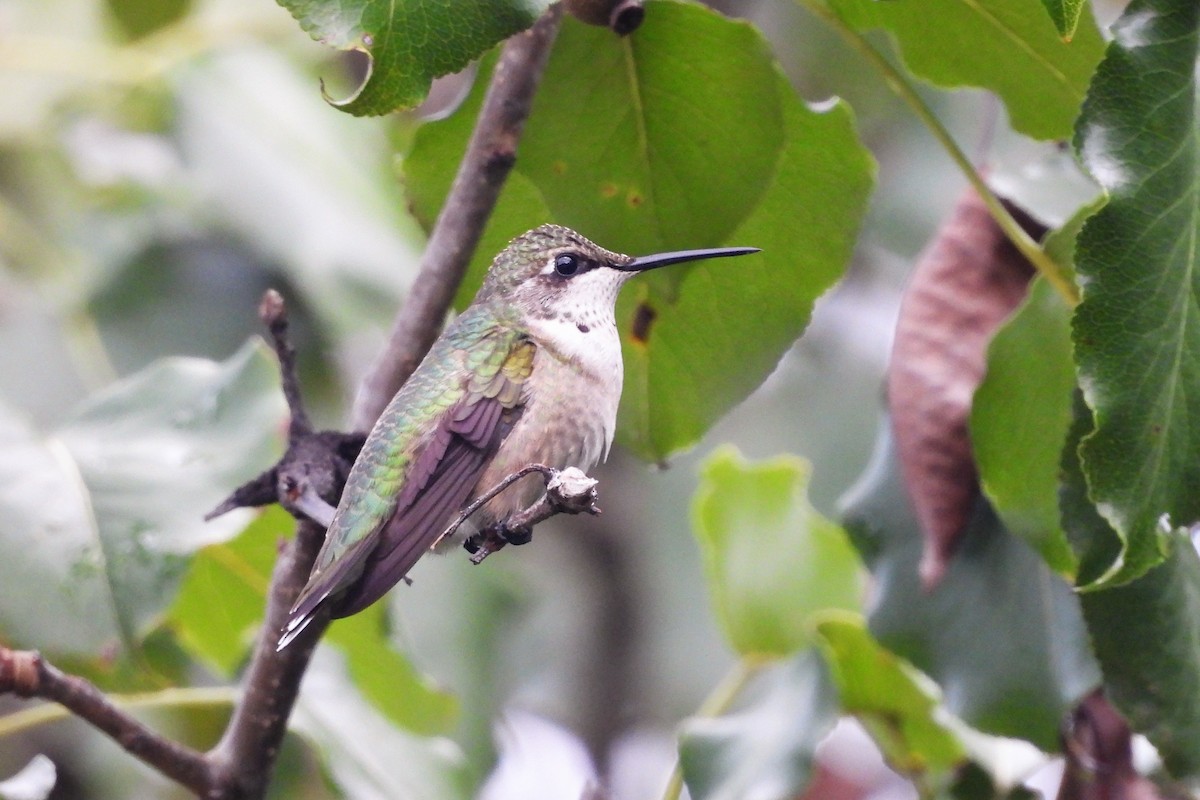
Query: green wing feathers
point(418, 466)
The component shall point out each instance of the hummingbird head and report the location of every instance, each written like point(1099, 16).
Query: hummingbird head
point(552, 272)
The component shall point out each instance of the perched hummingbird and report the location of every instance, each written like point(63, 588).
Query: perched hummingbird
point(529, 373)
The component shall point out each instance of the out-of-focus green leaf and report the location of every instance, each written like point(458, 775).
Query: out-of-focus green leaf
point(1009, 47)
point(1137, 329)
point(140, 17)
point(219, 608)
point(1146, 633)
point(366, 757)
point(106, 512)
point(1019, 420)
point(1065, 14)
point(307, 192)
point(1001, 634)
point(888, 698)
point(218, 612)
point(410, 42)
point(770, 558)
point(644, 147)
point(765, 749)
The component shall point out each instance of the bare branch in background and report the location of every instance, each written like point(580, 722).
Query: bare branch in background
point(25, 673)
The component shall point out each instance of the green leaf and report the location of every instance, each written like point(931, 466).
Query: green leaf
point(1065, 14)
point(410, 42)
point(106, 512)
point(765, 749)
point(644, 147)
point(1146, 633)
point(219, 609)
point(1008, 47)
point(889, 698)
point(137, 18)
point(771, 560)
point(430, 167)
point(1001, 634)
point(1137, 329)
point(1019, 420)
point(724, 331)
point(308, 192)
point(366, 757)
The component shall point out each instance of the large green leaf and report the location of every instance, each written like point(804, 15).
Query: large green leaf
point(644, 147)
point(366, 757)
point(770, 558)
point(1137, 330)
point(1009, 47)
point(219, 610)
point(764, 749)
point(410, 42)
point(105, 512)
point(1146, 633)
point(890, 699)
point(1019, 420)
point(1001, 634)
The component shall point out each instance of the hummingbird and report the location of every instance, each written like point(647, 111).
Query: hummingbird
point(530, 372)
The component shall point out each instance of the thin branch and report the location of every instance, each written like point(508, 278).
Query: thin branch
point(490, 156)
point(26, 674)
point(273, 312)
point(243, 761)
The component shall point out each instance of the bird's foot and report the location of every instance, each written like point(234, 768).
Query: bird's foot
point(496, 537)
point(522, 534)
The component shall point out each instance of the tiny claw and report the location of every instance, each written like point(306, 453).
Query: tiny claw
point(516, 536)
point(485, 543)
point(479, 555)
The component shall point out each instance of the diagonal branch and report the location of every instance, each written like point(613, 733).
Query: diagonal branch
point(25, 673)
point(490, 156)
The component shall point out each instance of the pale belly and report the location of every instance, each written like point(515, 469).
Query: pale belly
point(568, 421)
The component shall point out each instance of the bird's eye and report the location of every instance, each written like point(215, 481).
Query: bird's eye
point(567, 264)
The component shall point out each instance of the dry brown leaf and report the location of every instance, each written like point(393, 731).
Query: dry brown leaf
point(968, 280)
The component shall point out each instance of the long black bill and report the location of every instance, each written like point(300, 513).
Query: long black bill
point(665, 259)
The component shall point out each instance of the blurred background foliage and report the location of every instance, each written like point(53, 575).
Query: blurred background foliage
point(162, 162)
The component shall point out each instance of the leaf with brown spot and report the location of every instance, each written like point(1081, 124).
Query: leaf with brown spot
point(643, 318)
point(968, 280)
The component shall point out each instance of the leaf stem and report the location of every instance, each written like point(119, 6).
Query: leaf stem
point(1055, 274)
point(175, 697)
point(716, 703)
